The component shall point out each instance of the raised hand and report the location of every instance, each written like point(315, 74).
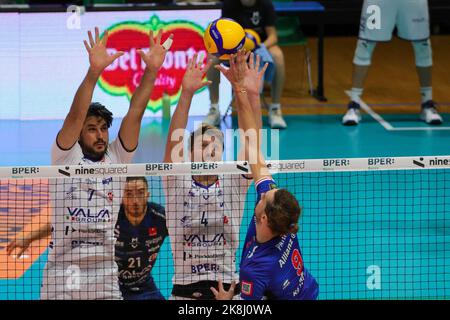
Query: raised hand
point(154, 58)
point(253, 76)
point(193, 78)
point(234, 74)
point(99, 58)
point(243, 75)
point(222, 294)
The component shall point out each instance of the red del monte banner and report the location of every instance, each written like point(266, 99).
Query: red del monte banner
point(124, 75)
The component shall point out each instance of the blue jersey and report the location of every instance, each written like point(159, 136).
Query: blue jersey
point(274, 269)
point(137, 248)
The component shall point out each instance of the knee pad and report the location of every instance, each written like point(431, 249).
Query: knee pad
point(422, 51)
point(364, 52)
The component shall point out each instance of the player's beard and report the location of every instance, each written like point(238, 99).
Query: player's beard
point(137, 211)
point(90, 153)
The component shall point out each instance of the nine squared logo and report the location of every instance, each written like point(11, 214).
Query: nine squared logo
point(419, 163)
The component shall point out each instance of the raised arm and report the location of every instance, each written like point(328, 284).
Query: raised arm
point(246, 80)
point(153, 59)
point(192, 81)
point(99, 59)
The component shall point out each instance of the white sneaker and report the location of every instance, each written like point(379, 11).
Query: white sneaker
point(353, 116)
point(275, 119)
point(213, 117)
point(429, 113)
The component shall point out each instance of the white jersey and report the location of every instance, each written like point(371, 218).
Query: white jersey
point(84, 212)
point(203, 224)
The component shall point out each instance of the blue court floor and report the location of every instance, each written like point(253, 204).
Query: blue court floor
point(307, 137)
point(395, 223)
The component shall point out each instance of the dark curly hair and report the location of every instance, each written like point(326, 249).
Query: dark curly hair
point(96, 109)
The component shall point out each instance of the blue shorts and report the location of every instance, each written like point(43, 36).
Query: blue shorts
point(266, 57)
point(143, 295)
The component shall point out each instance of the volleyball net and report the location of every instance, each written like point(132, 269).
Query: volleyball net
point(370, 228)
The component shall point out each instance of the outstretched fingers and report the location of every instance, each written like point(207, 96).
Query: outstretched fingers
point(221, 68)
point(207, 66)
point(104, 40)
point(116, 55)
point(261, 73)
point(215, 292)
point(86, 45)
point(91, 39)
point(152, 40)
point(97, 35)
point(206, 83)
point(232, 61)
point(251, 61)
point(158, 37)
point(194, 61)
point(258, 62)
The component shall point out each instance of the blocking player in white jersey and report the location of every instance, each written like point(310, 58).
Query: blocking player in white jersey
point(81, 258)
point(378, 20)
point(203, 213)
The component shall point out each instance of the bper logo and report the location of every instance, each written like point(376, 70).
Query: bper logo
point(336, 163)
point(25, 170)
point(380, 161)
point(158, 167)
point(123, 76)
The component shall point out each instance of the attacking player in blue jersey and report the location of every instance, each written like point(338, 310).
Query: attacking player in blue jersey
point(140, 231)
point(272, 264)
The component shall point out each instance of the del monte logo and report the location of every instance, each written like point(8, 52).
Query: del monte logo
point(125, 73)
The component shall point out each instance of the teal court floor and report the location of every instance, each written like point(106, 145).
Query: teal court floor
point(363, 235)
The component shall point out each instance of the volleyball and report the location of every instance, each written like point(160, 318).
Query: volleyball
point(224, 37)
point(252, 40)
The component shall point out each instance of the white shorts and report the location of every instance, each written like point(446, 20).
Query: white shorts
point(411, 17)
point(87, 284)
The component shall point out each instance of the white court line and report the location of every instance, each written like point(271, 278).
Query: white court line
point(388, 126)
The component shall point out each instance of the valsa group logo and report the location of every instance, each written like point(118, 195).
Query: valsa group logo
point(124, 75)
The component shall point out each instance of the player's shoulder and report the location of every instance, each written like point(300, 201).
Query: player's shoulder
point(70, 156)
point(118, 153)
point(156, 210)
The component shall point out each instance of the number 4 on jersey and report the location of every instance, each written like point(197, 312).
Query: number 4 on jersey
point(204, 219)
